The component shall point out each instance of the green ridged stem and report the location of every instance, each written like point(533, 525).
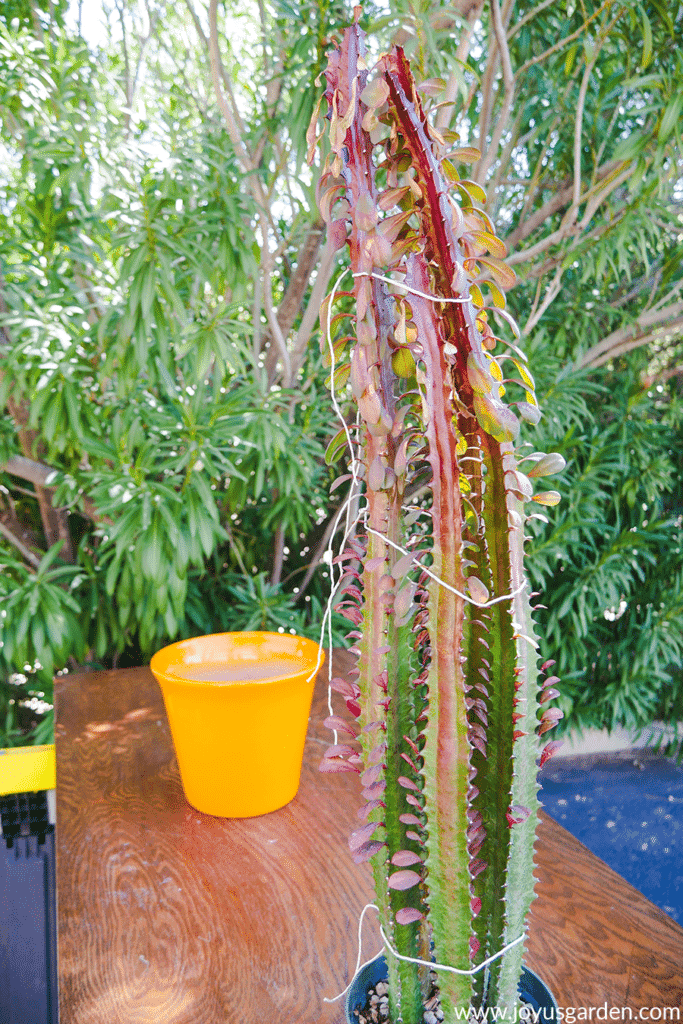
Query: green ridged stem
point(446, 749)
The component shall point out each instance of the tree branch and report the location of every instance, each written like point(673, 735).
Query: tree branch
point(26, 553)
point(219, 77)
point(312, 311)
point(649, 326)
point(561, 43)
point(41, 475)
point(293, 297)
point(616, 173)
point(278, 557)
point(485, 163)
point(551, 294)
point(578, 130)
point(36, 473)
point(445, 114)
point(529, 17)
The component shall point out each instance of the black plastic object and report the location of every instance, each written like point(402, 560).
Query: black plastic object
point(28, 921)
point(532, 991)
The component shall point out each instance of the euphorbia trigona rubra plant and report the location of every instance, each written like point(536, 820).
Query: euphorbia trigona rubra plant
point(448, 720)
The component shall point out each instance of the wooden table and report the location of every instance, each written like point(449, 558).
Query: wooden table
point(169, 916)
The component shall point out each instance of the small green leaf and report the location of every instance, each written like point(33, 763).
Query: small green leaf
point(647, 40)
point(403, 363)
point(336, 448)
point(471, 190)
point(504, 275)
point(465, 155)
point(570, 58)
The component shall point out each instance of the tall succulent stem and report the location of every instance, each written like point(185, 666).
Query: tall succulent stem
point(446, 698)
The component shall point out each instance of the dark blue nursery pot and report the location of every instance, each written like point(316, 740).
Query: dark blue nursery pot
point(532, 991)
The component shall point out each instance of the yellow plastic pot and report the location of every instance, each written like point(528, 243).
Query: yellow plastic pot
point(238, 707)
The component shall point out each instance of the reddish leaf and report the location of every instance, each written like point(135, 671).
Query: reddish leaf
point(478, 742)
point(335, 764)
point(403, 601)
point(371, 775)
point(344, 687)
point(516, 815)
point(475, 846)
point(474, 946)
point(368, 808)
point(412, 745)
point(328, 199)
point(376, 474)
point(552, 715)
point(339, 750)
point(362, 835)
point(406, 915)
point(392, 197)
point(478, 591)
point(502, 274)
point(465, 154)
point(475, 905)
point(337, 483)
point(411, 763)
point(407, 783)
point(336, 234)
point(353, 708)
point(404, 880)
point(367, 851)
point(409, 819)
point(374, 791)
point(476, 867)
point(405, 858)
point(415, 837)
point(341, 725)
point(548, 751)
point(353, 614)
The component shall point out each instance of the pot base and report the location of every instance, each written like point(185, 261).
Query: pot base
point(532, 991)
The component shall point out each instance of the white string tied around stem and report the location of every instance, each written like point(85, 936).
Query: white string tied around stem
point(406, 288)
point(442, 583)
point(413, 960)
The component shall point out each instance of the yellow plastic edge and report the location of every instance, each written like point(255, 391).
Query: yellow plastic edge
point(27, 769)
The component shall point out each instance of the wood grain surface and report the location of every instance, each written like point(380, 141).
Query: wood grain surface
point(170, 916)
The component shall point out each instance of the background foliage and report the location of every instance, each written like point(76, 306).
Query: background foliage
point(162, 265)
